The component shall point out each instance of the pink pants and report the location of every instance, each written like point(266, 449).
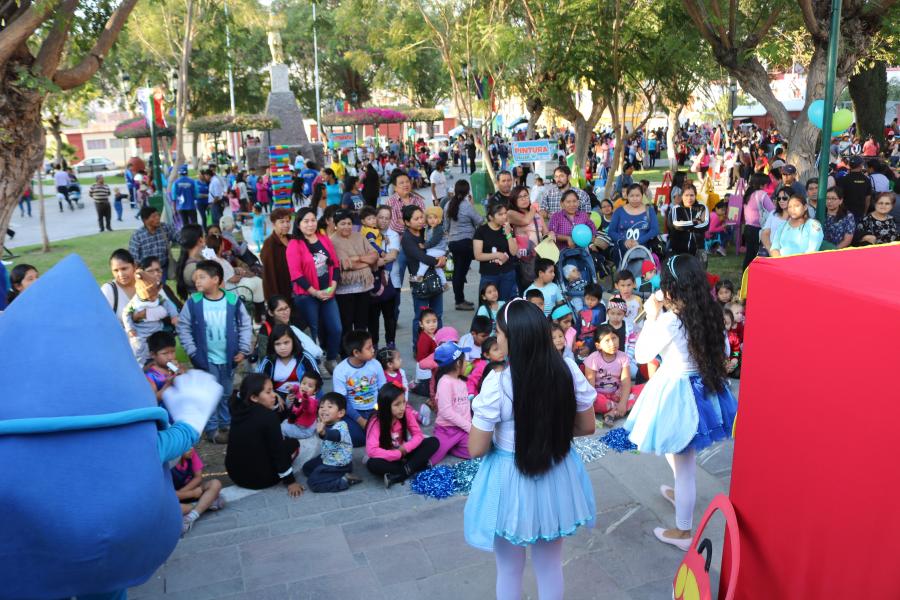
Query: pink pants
point(603, 404)
point(452, 440)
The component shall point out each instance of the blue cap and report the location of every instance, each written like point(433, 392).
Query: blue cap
point(448, 352)
point(182, 170)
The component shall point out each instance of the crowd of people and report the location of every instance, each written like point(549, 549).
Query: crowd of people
point(621, 310)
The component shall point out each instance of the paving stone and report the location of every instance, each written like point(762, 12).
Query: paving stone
point(154, 586)
point(348, 515)
point(449, 551)
point(392, 529)
point(586, 579)
point(401, 504)
point(296, 525)
point(212, 591)
point(476, 581)
point(653, 590)
point(273, 592)
point(608, 491)
point(400, 562)
point(193, 542)
point(353, 497)
point(262, 516)
point(349, 584)
point(289, 558)
point(312, 504)
point(204, 568)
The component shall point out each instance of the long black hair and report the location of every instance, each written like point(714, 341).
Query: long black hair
point(460, 192)
point(278, 332)
point(757, 182)
point(16, 276)
point(684, 283)
point(542, 387)
point(386, 396)
point(190, 235)
point(252, 385)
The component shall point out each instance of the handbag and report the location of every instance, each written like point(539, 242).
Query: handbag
point(427, 287)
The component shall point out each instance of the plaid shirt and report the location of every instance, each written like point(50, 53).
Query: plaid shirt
point(144, 244)
point(397, 209)
point(560, 224)
point(551, 200)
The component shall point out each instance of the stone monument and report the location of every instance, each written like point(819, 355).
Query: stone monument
point(283, 105)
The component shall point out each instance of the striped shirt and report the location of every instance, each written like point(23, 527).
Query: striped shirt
point(397, 205)
point(100, 192)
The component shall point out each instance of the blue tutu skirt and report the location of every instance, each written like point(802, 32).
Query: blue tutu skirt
point(523, 509)
point(676, 412)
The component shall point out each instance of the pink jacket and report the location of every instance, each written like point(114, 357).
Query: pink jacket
point(373, 433)
point(475, 376)
point(300, 263)
point(453, 404)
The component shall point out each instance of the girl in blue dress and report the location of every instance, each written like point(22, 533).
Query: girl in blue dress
point(531, 488)
point(687, 405)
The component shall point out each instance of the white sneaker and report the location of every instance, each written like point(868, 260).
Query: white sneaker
point(425, 414)
point(682, 544)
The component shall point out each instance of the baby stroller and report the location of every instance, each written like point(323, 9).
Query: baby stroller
point(581, 259)
point(632, 260)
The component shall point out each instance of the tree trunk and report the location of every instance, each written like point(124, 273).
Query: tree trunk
point(22, 143)
point(195, 149)
point(45, 240)
point(430, 128)
point(535, 110)
point(674, 127)
point(617, 111)
point(56, 131)
point(582, 144)
point(868, 89)
point(480, 136)
point(181, 93)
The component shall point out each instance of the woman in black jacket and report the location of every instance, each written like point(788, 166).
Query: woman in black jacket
point(258, 456)
point(687, 225)
point(413, 244)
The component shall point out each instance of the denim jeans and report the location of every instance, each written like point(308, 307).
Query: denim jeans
point(357, 433)
point(398, 272)
point(324, 322)
point(221, 416)
point(117, 206)
point(505, 282)
point(435, 303)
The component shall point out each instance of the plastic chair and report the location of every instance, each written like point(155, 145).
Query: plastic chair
point(692, 578)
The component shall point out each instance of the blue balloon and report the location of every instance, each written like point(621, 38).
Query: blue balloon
point(582, 235)
point(816, 112)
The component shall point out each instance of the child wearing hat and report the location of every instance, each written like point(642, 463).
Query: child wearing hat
point(454, 418)
point(435, 241)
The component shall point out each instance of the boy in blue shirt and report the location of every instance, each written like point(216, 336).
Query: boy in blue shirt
point(332, 470)
point(358, 379)
point(545, 271)
point(215, 330)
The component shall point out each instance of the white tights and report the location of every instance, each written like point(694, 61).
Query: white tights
point(546, 559)
point(684, 466)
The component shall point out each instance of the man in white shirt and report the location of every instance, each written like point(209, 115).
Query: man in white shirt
point(216, 195)
point(438, 183)
point(61, 180)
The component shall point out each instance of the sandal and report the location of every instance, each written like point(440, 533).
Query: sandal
point(609, 420)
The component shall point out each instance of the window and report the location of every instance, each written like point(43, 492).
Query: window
point(96, 144)
point(116, 143)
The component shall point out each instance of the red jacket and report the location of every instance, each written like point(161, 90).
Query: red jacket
point(300, 263)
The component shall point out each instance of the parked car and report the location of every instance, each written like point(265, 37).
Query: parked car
point(93, 165)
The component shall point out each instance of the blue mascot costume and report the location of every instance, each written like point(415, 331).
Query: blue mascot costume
point(87, 507)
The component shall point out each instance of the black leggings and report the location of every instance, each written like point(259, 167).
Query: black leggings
point(751, 242)
point(383, 310)
point(414, 462)
point(463, 255)
point(354, 309)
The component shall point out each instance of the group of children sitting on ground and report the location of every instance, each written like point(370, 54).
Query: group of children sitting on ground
point(280, 420)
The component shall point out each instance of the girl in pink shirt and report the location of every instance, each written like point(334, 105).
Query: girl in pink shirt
point(454, 419)
point(395, 445)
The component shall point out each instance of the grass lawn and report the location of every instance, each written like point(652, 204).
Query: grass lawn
point(93, 249)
